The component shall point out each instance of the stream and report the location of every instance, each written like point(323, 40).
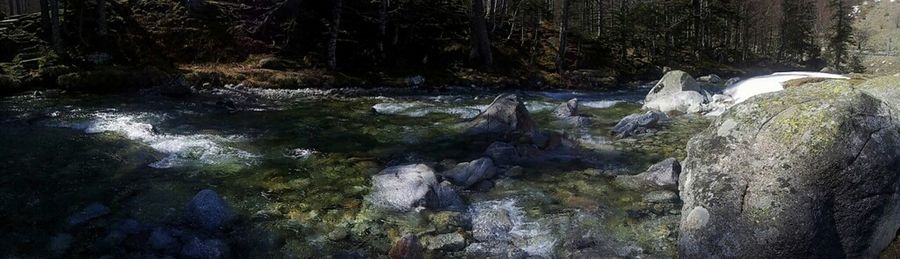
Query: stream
point(295, 166)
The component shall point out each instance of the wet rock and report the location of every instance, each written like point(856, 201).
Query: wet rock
point(130, 227)
point(494, 250)
point(807, 172)
point(502, 153)
point(208, 210)
point(639, 123)
point(663, 174)
point(469, 173)
point(506, 114)
point(732, 81)
point(176, 86)
point(407, 247)
point(567, 109)
point(514, 171)
point(444, 197)
point(676, 92)
point(204, 249)
point(446, 242)
point(447, 221)
point(338, 233)
point(568, 114)
point(161, 239)
point(711, 78)
point(401, 188)
point(660, 197)
point(60, 243)
point(92, 211)
point(484, 186)
point(415, 81)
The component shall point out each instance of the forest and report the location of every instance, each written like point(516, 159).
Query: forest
point(569, 43)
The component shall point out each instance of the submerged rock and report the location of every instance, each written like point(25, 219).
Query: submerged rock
point(402, 188)
point(208, 210)
point(677, 92)
point(60, 243)
point(407, 247)
point(505, 115)
point(205, 249)
point(663, 174)
point(448, 242)
point(469, 173)
point(808, 172)
point(92, 211)
point(639, 123)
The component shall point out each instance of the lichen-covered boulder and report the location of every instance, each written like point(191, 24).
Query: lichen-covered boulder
point(469, 173)
point(810, 172)
point(402, 188)
point(507, 114)
point(678, 92)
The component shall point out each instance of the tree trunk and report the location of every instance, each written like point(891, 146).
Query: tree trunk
point(481, 44)
point(563, 31)
point(333, 37)
point(382, 25)
point(45, 16)
point(56, 33)
point(101, 18)
point(698, 23)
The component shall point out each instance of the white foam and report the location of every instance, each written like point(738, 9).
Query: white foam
point(601, 104)
point(743, 90)
point(300, 153)
point(530, 236)
point(181, 149)
point(420, 109)
point(538, 106)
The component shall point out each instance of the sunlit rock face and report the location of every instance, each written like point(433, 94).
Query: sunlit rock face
point(678, 92)
point(811, 171)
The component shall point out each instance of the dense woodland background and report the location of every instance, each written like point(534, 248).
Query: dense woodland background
point(554, 41)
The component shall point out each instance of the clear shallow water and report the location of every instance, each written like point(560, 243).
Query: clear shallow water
point(295, 167)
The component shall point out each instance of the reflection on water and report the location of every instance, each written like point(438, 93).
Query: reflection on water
point(295, 165)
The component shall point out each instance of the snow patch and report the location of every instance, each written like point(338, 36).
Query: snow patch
point(743, 90)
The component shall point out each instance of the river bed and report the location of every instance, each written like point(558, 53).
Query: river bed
point(295, 166)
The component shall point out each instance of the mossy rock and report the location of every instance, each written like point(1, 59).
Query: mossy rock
point(811, 171)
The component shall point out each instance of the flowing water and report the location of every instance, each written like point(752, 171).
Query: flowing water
point(295, 167)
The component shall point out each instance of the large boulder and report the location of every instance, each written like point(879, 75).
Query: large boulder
point(469, 173)
point(678, 92)
point(639, 123)
point(810, 172)
point(507, 114)
point(402, 188)
point(660, 175)
point(208, 210)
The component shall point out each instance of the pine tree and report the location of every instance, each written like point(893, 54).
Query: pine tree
point(842, 33)
point(797, 36)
